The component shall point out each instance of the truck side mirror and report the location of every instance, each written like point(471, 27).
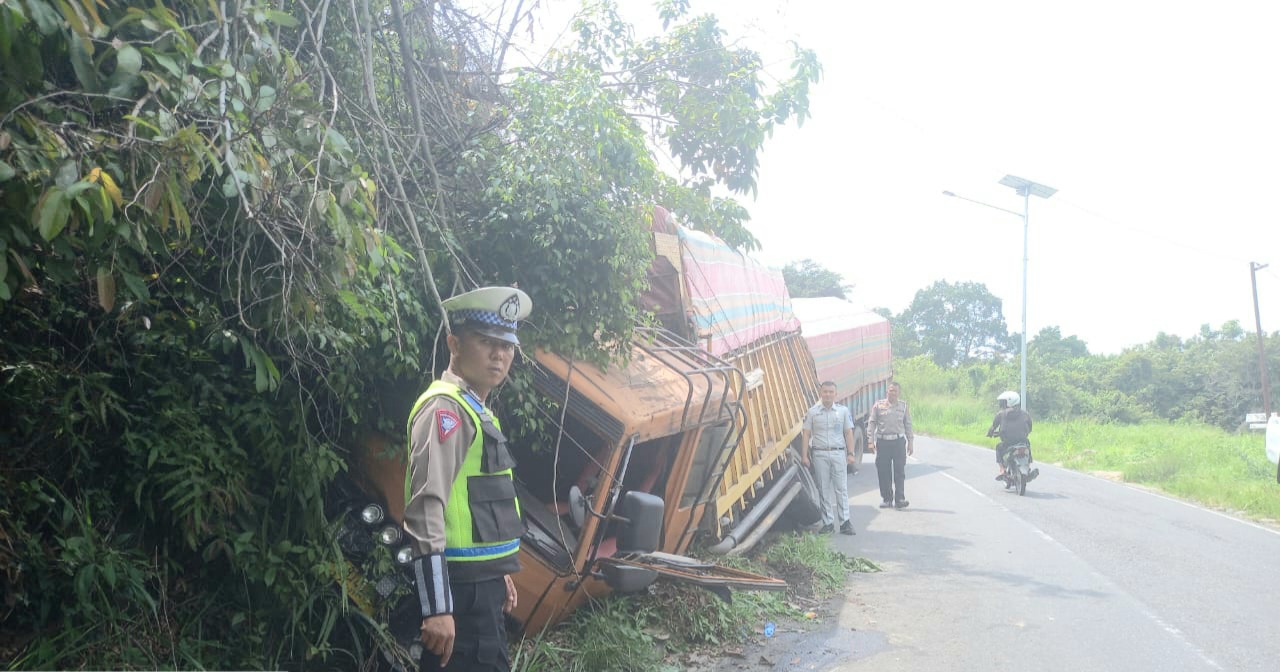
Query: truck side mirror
point(642, 524)
point(577, 507)
point(628, 578)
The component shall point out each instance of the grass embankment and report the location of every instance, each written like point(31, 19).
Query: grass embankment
point(1199, 462)
point(671, 626)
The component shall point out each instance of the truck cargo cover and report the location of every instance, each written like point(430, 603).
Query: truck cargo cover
point(734, 299)
point(850, 344)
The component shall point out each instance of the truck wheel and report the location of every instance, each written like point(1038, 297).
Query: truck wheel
point(805, 509)
point(859, 447)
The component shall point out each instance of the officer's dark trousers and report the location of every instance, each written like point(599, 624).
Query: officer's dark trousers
point(891, 468)
point(481, 641)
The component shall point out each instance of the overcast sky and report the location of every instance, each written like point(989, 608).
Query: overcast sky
point(1158, 123)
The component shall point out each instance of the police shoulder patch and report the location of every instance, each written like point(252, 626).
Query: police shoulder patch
point(447, 422)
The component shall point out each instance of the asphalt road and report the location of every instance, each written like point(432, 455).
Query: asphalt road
point(1080, 574)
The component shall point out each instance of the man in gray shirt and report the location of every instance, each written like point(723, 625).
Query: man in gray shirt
point(826, 443)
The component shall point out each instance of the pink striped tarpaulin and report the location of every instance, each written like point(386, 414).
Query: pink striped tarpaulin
point(850, 345)
point(735, 299)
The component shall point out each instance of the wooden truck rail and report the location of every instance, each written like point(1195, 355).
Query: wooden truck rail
point(776, 399)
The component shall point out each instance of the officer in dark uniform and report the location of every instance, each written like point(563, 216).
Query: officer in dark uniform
point(461, 510)
point(891, 436)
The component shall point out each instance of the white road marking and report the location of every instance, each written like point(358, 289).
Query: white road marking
point(1143, 608)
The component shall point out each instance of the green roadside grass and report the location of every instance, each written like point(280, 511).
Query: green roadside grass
point(1205, 464)
point(673, 627)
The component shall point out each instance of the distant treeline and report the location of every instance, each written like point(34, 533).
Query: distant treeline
point(1212, 377)
point(960, 330)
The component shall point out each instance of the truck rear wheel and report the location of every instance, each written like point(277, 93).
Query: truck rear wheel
point(859, 447)
point(805, 509)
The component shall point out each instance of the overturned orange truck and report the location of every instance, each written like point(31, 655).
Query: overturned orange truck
point(691, 439)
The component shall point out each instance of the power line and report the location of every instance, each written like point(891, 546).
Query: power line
point(1198, 246)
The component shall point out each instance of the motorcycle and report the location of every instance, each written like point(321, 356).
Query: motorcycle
point(1017, 467)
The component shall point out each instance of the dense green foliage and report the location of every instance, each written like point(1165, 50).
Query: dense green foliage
point(809, 279)
point(1212, 377)
point(1208, 464)
point(225, 228)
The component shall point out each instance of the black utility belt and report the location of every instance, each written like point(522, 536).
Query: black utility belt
point(828, 448)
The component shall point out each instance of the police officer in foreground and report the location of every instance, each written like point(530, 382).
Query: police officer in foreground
point(460, 500)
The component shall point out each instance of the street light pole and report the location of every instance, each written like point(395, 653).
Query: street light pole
point(1026, 217)
point(1026, 189)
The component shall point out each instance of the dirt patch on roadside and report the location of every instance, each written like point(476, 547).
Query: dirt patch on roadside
point(798, 577)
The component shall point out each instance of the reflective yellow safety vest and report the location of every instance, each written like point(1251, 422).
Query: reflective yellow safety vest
point(482, 517)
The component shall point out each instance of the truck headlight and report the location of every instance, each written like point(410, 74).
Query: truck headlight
point(389, 535)
point(385, 586)
point(372, 514)
point(404, 555)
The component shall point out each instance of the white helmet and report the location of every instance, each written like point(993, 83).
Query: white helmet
point(1010, 398)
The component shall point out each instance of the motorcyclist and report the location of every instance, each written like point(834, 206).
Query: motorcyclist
point(1011, 424)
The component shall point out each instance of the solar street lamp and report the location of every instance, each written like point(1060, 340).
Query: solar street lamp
point(1026, 189)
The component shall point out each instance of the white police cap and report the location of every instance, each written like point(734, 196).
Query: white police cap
point(492, 311)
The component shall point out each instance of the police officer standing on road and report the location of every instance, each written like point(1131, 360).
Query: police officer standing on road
point(460, 500)
point(889, 433)
point(827, 433)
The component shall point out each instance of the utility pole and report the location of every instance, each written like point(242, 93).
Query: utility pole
point(1254, 267)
